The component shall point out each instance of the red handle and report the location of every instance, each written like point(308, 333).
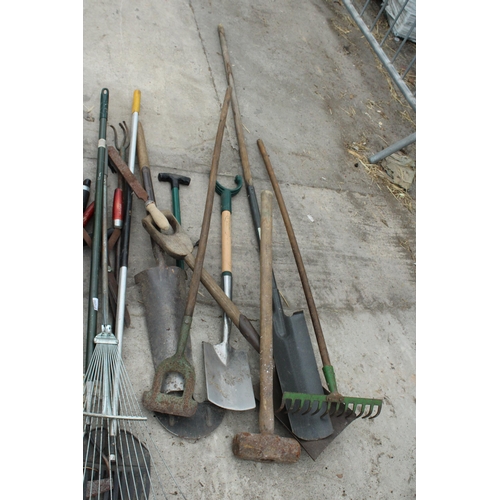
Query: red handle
point(118, 209)
point(89, 212)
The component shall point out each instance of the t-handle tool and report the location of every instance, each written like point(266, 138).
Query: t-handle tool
point(174, 181)
point(227, 372)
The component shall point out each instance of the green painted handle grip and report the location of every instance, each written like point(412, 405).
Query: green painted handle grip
point(226, 194)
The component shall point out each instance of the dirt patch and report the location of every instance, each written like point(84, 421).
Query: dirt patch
point(372, 121)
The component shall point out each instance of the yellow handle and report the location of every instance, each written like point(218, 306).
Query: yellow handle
point(136, 104)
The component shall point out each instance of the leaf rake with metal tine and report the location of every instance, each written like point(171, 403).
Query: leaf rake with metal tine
point(118, 462)
point(333, 403)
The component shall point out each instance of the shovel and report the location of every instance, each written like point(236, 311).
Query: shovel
point(185, 405)
point(227, 372)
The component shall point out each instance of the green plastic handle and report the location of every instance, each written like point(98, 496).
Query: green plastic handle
point(226, 194)
point(104, 103)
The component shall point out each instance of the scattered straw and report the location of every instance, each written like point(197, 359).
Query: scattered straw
point(381, 179)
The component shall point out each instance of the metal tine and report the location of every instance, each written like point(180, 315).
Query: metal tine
point(287, 407)
point(339, 409)
point(379, 409)
point(356, 405)
point(309, 406)
point(327, 409)
point(126, 140)
point(320, 405)
point(370, 409)
point(337, 405)
point(301, 404)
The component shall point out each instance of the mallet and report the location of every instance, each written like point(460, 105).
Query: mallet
point(266, 447)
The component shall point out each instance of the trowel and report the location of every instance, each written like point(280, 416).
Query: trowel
point(227, 371)
point(164, 295)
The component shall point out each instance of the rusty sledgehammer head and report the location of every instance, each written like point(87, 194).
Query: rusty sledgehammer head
point(266, 448)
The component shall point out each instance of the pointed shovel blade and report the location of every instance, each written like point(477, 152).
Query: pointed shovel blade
point(229, 383)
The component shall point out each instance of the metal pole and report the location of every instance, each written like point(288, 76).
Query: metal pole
point(392, 149)
point(381, 55)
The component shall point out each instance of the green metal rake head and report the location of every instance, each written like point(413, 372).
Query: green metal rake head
point(333, 403)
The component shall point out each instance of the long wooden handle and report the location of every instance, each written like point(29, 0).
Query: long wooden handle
point(142, 151)
point(236, 109)
point(298, 257)
point(266, 411)
point(205, 226)
point(226, 241)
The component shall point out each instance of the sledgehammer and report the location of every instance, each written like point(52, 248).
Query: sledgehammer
point(266, 447)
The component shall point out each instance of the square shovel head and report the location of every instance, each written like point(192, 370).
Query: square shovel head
point(229, 384)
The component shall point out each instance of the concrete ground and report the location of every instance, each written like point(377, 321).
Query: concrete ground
point(310, 88)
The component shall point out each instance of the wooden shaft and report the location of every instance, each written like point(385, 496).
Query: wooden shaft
point(236, 110)
point(266, 411)
point(229, 307)
point(298, 258)
point(205, 226)
point(142, 151)
point(226, 241)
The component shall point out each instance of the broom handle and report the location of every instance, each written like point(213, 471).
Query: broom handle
point(298, 258)
point(205, 226)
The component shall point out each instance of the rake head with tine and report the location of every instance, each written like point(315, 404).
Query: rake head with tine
point(333, 404)
point(120, 460)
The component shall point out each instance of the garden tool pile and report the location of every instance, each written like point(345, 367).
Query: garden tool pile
point(119, 460)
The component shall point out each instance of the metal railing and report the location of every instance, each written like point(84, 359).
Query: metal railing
point(388, 26)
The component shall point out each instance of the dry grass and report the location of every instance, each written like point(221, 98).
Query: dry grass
point(378, 175)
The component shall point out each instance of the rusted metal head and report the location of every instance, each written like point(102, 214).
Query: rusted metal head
point(182, 405)
point(266, 448)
